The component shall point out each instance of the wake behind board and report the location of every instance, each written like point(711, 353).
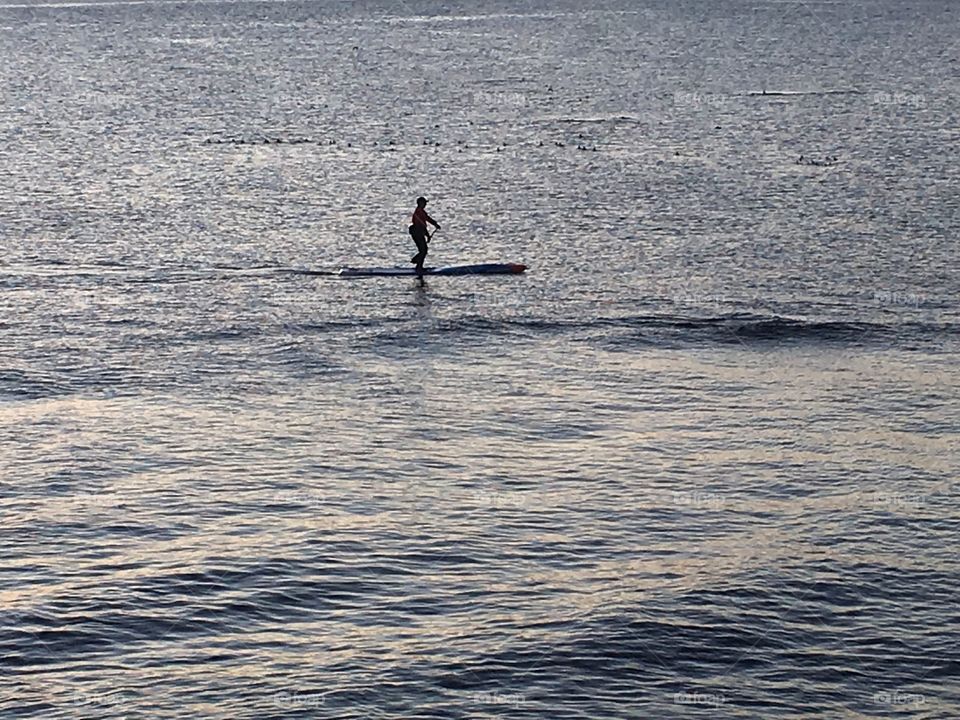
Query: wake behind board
point(482, 269)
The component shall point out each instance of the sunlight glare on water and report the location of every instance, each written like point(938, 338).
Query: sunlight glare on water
point(699, 459)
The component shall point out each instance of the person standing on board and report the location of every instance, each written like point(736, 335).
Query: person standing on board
point(418, 231)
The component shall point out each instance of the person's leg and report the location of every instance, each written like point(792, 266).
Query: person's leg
point(422, 255)
point(413, 234)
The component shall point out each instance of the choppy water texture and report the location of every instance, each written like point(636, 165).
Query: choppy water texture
point(699, 461)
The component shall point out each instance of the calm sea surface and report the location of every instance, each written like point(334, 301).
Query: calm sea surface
point(699, 461)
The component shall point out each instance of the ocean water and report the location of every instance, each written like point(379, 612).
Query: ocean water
point(699, 461)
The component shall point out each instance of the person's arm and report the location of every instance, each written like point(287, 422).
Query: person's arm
point(432, 221)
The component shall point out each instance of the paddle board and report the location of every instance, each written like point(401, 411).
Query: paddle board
point(482, 269)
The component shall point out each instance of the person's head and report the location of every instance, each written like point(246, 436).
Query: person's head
point(421, 201)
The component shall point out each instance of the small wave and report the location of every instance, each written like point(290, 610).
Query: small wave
point(592, 120)
point(656, 329)
point(785, 328)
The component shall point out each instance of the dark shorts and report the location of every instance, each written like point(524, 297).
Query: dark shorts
point(418, 233)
